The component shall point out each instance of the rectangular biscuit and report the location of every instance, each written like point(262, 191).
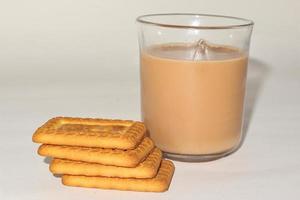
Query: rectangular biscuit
point(117, 157)
point(88, 132)
point(159, 183)
point(146, 169)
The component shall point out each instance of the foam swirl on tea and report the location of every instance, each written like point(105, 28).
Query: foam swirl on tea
point(200, 50)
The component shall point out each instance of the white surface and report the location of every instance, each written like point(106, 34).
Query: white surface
point(79, 58)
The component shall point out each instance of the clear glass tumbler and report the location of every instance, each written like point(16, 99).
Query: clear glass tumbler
point(193, 71)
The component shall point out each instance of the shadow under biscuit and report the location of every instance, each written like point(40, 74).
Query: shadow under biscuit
point(47, 160)
point(57, 175)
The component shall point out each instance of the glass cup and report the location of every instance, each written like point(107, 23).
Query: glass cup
point(193, 71)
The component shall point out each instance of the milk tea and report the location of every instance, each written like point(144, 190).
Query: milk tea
point(193, 104)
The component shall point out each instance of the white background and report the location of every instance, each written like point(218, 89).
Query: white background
point(80, 58)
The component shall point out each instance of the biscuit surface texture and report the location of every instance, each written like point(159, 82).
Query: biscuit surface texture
point(117, 157)
point(88, 132)
point(159, 183)
point(146, 169)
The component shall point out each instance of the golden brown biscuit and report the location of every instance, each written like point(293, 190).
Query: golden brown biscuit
point(146, 169)
point(159, 183)
point(87, 132)
point(117, 157)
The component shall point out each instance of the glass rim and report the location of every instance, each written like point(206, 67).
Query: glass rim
point(246, 22)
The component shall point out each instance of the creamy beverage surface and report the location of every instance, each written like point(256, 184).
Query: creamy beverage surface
point(192, 100)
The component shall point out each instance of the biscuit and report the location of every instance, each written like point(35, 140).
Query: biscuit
point(117, 157)
point(159, 183)
point(88, 132)
point(146, 169)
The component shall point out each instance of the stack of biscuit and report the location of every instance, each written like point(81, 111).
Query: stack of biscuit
point(101, 153)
